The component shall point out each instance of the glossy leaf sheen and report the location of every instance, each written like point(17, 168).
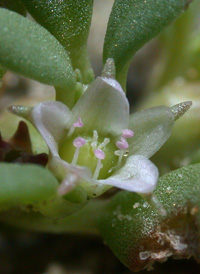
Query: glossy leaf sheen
point(125, 228)
point(29, 49)
point(25, 184)
point(69, 21)
point(133, 23)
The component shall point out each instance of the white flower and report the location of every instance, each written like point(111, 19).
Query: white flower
point(97, 144)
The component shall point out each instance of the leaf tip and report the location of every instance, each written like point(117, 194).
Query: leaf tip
point(180, 109)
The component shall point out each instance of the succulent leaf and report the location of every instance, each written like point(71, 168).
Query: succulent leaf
point(139, 236)
point(34, 52)
point(69, 21)
point(25, 184)
point(133, 23)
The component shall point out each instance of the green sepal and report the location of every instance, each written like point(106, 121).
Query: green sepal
point(34, 52)
point(69, 21)
point(25, 184)
point(59, 208)
point(134, 229)
point(13, 5)
point(133, 23)
point(81, 222)
point(76, 196)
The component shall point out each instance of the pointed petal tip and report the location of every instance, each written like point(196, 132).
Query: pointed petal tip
point(22, 111)
point(109, 69)
point(180, 109)
point(11, 109)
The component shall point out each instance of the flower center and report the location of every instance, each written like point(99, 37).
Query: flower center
point(84, 151)
point(97, 153)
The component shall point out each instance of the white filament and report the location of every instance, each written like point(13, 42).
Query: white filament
point(75, 158)
point(97, 170)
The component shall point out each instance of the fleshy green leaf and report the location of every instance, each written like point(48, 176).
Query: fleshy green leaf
point(32, 185)
point(133, 23)
point(138, 235)
point(13, 5)
point(29, 49)
point(69, 21)
point(25, 184)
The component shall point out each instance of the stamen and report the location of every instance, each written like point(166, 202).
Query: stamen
point(120, 158)
point(127, 133)
point(78, 142)
point(122, 145)
point(118, 152)
point(104, 144)
point(78, 123)
point(94, 140)
point(100, 155)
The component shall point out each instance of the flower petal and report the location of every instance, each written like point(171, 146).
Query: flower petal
point(152, 127)
point(103, 107)
point(138, 175)
point(70, 175)
point(50, 119)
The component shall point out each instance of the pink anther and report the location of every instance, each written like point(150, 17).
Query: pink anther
point(122, 145)
point(127, 133)
point(78, 123)
point(79, 142)
point(99, 154)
